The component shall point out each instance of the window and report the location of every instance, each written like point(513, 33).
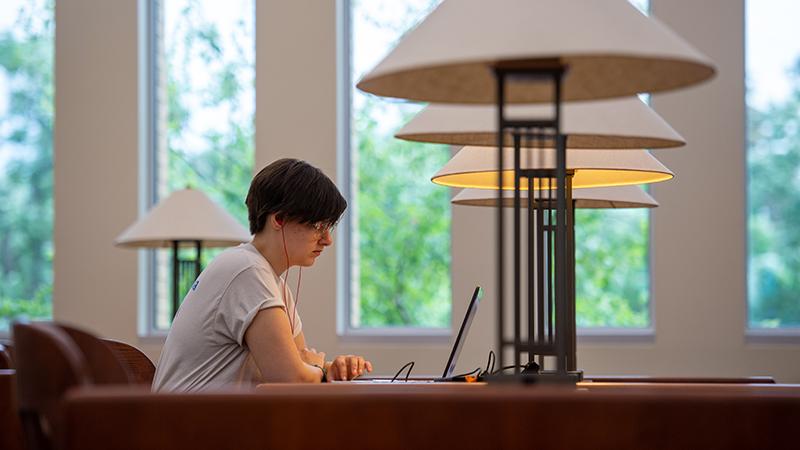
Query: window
point(773, 163)
point(612, 270)
point(400, 221)
point(203, 96)
point(26, 160)
point(400, 248)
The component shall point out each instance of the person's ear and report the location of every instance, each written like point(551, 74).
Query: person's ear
point(276, 221)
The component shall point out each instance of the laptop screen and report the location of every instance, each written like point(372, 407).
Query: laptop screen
point(462, 332)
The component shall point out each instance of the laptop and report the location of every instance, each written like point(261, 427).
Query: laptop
point(450, 367)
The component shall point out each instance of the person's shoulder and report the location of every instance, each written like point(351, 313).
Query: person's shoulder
point(242, 258)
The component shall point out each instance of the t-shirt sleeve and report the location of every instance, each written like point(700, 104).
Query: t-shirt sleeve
point(248, 293)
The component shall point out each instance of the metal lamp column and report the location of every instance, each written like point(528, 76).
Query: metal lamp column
point(544, 338)
point(179, 267)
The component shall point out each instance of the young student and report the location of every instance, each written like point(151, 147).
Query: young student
point(239, 325)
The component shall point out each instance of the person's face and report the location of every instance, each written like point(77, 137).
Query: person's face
point(305, 242)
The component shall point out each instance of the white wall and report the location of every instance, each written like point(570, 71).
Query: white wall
point(698, 232)
point(95, 159)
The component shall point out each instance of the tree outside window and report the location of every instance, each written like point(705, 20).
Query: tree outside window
point(401, 222)
point(26, 160)
point(773, 163)
point(400, 257)
point(205, 100)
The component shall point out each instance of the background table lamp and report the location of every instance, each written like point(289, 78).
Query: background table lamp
point(186, 218)
point(532, 51)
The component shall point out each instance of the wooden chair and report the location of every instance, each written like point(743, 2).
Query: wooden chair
point(138, 365)
point(104, 365)
point(6, 356)
point(11, 429)
point(48, 364)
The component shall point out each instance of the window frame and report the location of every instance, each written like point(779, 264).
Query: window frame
point(346, 282)
point(154, 159)
point(7, 334)
point(755, 334)
point(606, 334)
point(150, 42)
point(629, 334)
point(347, 277)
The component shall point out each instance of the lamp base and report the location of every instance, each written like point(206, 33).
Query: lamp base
point(544, 377)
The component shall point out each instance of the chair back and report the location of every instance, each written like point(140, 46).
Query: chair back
point(6, 356)
point(139, 366)
point(11, 435)
point(48, 364)
point(104, 366)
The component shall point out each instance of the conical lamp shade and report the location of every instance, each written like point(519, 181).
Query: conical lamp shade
point(614, 197)
point(610, 48)
point(613, 124)
point(186, 215)
point(476, 167)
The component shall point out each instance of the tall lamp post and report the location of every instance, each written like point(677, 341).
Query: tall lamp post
point(615, 197)
point(473, 167)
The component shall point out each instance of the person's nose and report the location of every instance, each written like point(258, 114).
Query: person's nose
point(327, 238)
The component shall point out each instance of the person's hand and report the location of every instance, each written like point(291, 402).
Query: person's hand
point(312, 356)
point(347, 367)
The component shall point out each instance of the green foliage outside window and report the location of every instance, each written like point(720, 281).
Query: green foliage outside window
point(401, 221)
point(403, 229)
point(209, 96)
point(403, 225)
point(26, 164)
point(611, 270)
point(773, 210)
point(218, 159)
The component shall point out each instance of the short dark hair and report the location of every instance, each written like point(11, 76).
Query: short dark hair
point(294, 190)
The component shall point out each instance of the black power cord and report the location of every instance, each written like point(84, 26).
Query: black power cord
point(489, 365)
point(410, 366)
point(530, 368)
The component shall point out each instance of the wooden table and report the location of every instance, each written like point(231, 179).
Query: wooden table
point(459, 416)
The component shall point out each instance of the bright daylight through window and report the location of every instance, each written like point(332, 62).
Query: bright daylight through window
point(26, 160)
point(773, 162)
point(400, 256)
point(400, 252)
point(612, 269)
point(205, 102)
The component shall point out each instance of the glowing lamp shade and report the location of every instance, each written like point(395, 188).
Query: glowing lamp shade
point(185, 216)
point(614, 197)
point(609, 47)
point(625, 123)
point(476, 167)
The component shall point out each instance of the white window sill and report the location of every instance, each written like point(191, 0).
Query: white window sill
point(154, 337)
point(772, 336)
point(397, 335)
point(608, 335)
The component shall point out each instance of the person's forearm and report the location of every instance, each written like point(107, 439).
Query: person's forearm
point(311, 374)
point(300, 373)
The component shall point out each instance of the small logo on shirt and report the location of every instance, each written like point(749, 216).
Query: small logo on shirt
point(196, 282)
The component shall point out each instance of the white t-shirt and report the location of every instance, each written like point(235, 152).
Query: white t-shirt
point(205, 347)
